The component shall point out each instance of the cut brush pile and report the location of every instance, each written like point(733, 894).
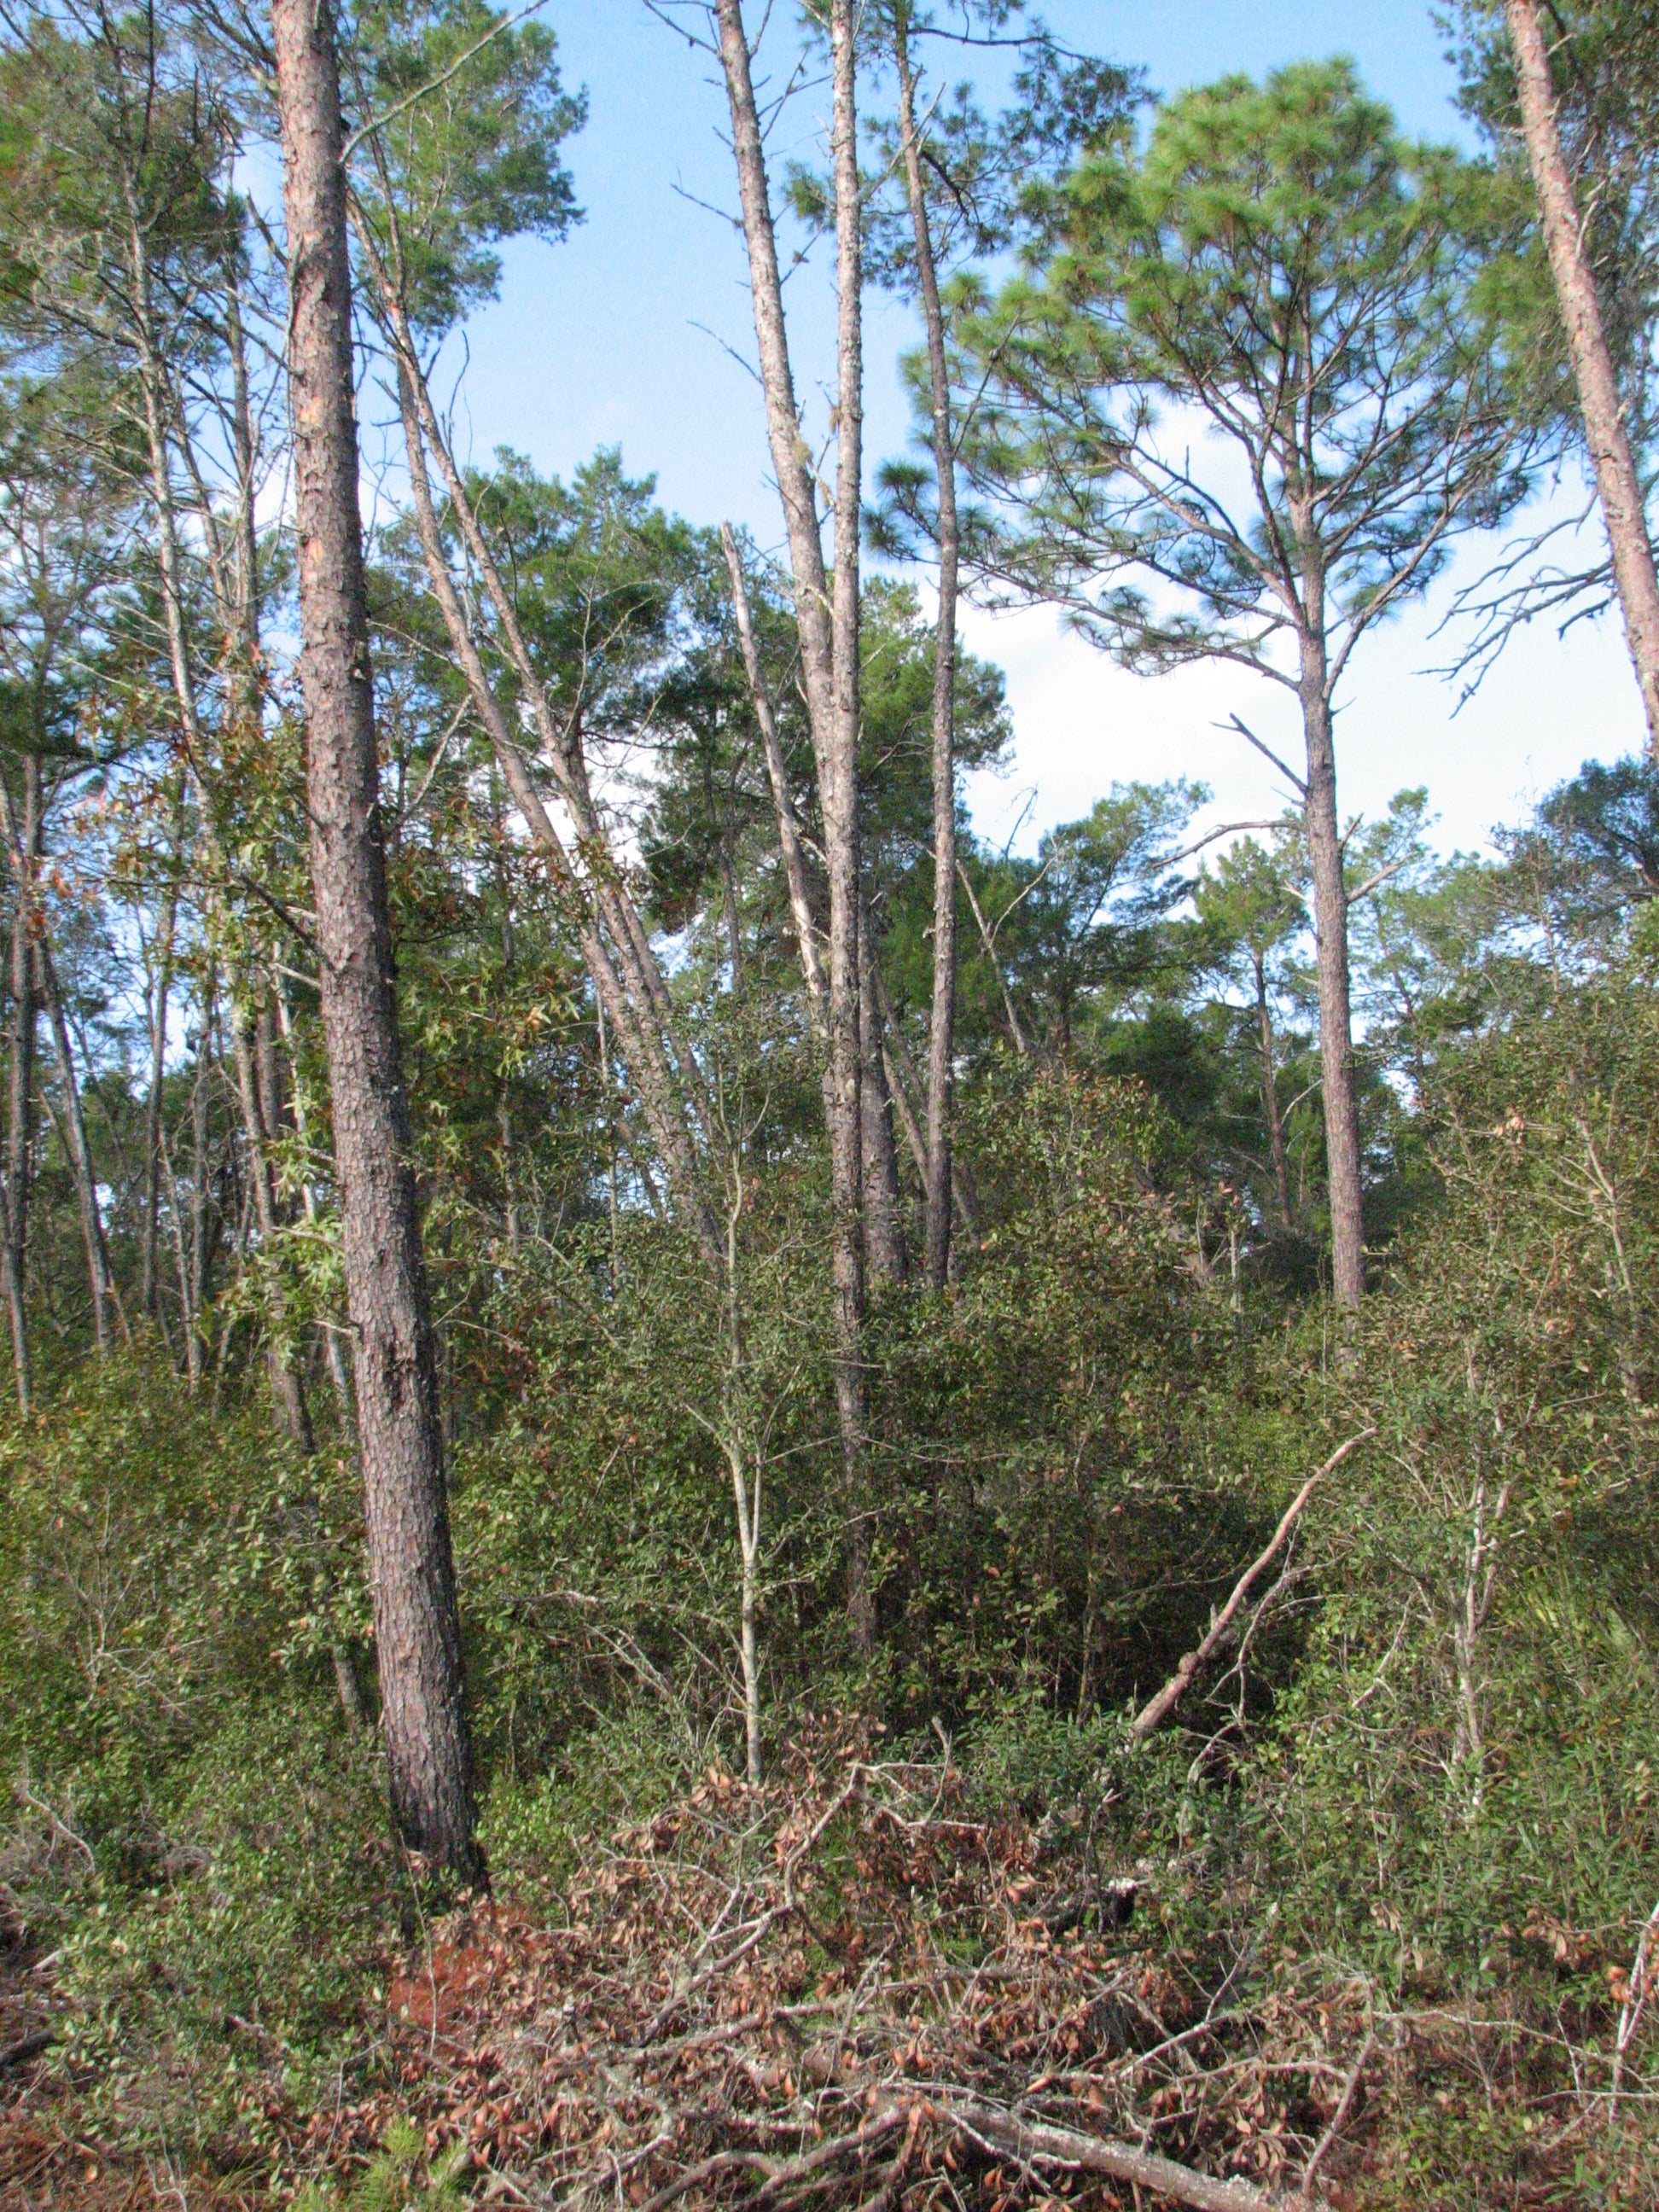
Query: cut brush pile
point(840, 1989)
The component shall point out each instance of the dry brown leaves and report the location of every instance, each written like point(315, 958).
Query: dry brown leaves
point(840, 1989)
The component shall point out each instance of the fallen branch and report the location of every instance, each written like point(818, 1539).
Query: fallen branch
point(30, 2046)
point(1169, 1696)
point(1041, 2143)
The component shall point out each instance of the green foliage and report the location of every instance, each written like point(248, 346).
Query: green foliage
point(461, 113)
point(192, 1827)
point(400, 2178)
point(1278, 257)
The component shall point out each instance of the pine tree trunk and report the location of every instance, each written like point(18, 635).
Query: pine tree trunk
point(1617, 482)
point(20, 1132)
point(884, 1200)
point(794, 867)
point(287, 1388)
point(418, 1632)
point(149, 1291)
point(839, 798)
point(78, 1147)
point(942, 1012)
point(1335, 1012)
point(827, 622)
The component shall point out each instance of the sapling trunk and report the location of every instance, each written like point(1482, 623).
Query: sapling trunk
point(827, 622)
point(942, 1010)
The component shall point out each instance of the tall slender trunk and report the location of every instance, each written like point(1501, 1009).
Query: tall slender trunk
point(942, 1012)
point(336, 1366)
point(77, 1145)
point(629, 1004)
point(1617, 482)
point(417, 1629)
point(839, 797)
point(504, 1095)
point(1270, 1111)
point(201, 1258)
point(149, 1291)
point(247, 535)
point(287, 1388)
point(829, 627)
point(884, 1203)
point(601, 887)
point(268, 1064)
point(794, 867)
point(19, 1130)
point(345, 1666)
point(1331, 937)
point(902, 1084)
point(1022, 1043)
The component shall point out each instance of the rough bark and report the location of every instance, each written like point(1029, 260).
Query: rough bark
point(417, 1633)
point(1331, 941)
point(1617, 482)
point(942, 1011)
point(19, 1130)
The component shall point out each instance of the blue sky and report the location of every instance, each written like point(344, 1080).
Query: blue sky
point(636, 332)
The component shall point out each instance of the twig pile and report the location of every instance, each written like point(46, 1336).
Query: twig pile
point(839, 1989)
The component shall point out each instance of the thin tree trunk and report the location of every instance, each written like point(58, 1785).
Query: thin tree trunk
point(504, 1095)
point(200, 1257)
point(839, 800)
point(604, 887)
point(1021, 1043)
point(1331, 938)
point(149, 1292)
point(902, 1084)
point(78, 1147)
point(336, 1366)
point(268, 1063)
point(942, 1012)
point(345, 1669)
point(1270, 1097)
point(417, 1629)
point(829, 626)
point(794, 867)
point(181, 1268)
point(20, 1147)
point(884, 1218)
point(1617, 482)
point(288, 1388)
point(640, 1040)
